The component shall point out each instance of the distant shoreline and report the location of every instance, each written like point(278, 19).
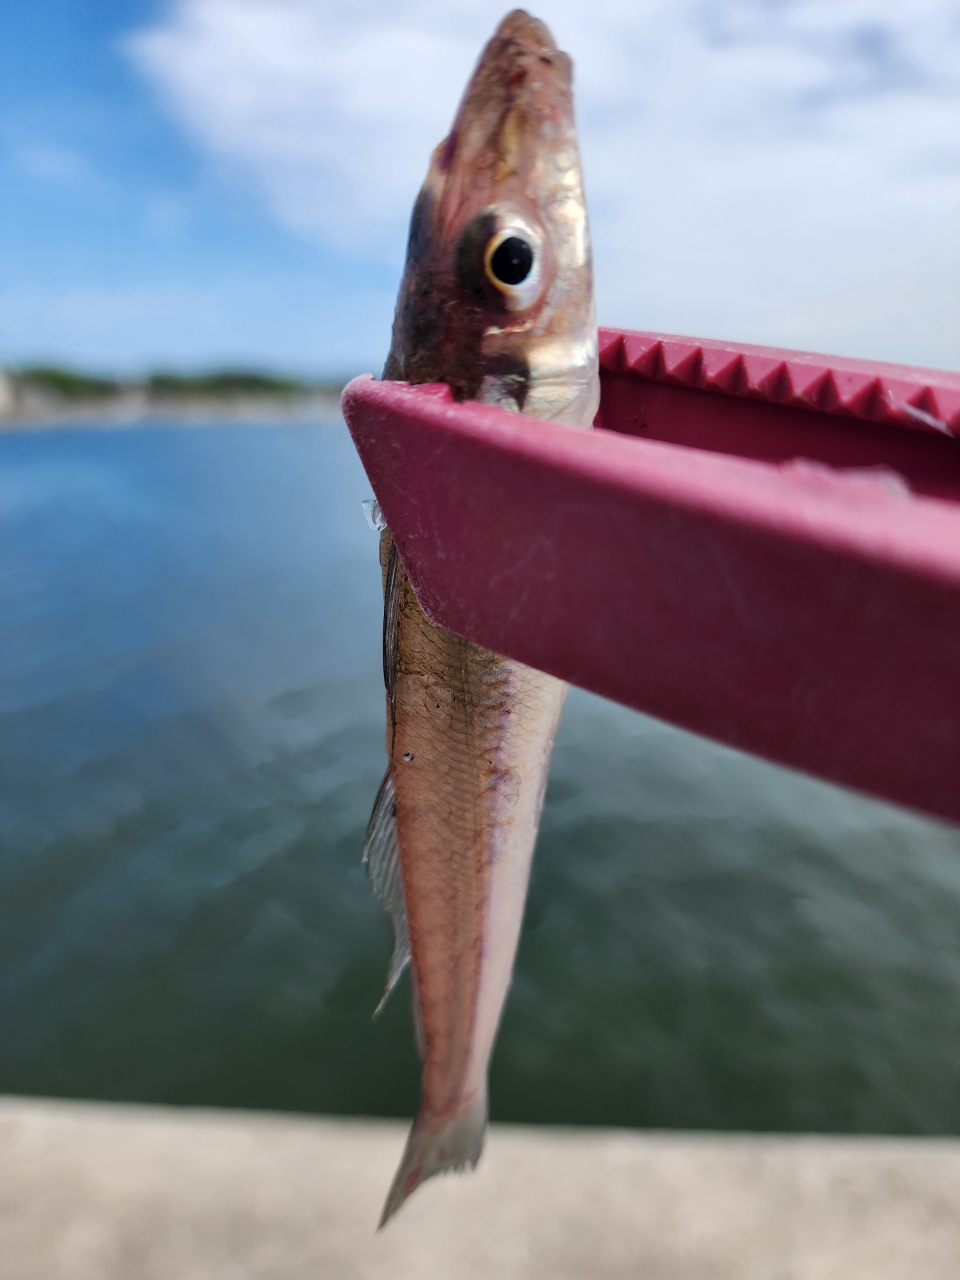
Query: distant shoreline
point(44, 397)
point(139, 410)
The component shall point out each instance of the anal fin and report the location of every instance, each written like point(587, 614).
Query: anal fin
point(381, 857)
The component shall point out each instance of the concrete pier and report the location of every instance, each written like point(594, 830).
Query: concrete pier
point(105, 1192)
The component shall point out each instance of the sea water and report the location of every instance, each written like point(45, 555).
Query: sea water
point(191, 736)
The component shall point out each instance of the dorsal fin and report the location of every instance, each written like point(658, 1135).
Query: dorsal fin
point(381, 857)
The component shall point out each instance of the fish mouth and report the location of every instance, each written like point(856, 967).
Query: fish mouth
point(518, 93)
point(524, 29)
point(521, 57)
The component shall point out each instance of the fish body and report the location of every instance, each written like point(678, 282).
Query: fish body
point(497, 302)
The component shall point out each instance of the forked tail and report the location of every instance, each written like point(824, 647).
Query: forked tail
point(438, 1144)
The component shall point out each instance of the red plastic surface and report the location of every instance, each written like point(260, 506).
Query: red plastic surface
point(925, 399)
point(780, 578)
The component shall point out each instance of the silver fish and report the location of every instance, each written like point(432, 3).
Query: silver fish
point(497, 302)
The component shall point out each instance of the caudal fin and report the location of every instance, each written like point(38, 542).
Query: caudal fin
point(437, 1144)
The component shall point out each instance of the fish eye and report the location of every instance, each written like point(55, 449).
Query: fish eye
point(501, 260)
point(512, 264)
point(511, 261)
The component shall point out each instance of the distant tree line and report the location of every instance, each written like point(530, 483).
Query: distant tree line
point(70, 385)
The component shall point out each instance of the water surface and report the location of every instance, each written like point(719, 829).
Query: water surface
point(191, 735)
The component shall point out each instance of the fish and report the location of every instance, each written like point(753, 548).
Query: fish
point(497, 301)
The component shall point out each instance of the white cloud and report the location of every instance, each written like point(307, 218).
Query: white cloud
point(774, 170)
point(332, 111)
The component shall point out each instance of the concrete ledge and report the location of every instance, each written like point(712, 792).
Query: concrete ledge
point(103, 1192)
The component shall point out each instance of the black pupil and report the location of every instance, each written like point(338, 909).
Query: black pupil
point(512, 261)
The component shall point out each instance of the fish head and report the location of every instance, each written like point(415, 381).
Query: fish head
point(497, 293)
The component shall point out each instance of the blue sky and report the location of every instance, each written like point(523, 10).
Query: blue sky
point(198, 182)
point(122, 245)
